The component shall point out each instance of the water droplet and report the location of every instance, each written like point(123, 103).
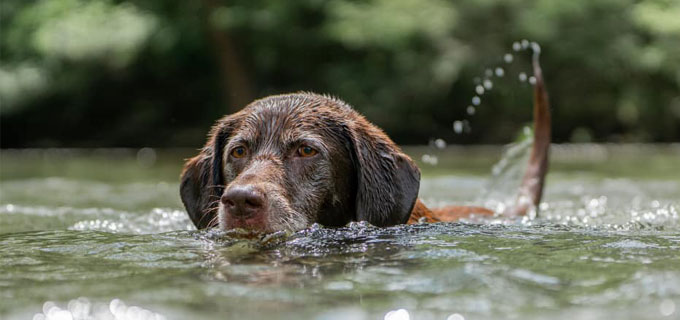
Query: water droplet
point(488, 84)
point(532, 80)
point(458, 126)
point(430, 159)
point(516, 46)
point(455, 316)
point(535, 47)
point(525, 43)
point(47, 306)
point(499, 72)
point(488, 72)
point(667, 307)
point(476, 100)
point(522, 76)
point(508, 58)
point(440, 143)
point(470, 110)
point(117, 306)
point(479, 89)
point(401, 314)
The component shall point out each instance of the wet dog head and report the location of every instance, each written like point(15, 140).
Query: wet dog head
point(285, 162)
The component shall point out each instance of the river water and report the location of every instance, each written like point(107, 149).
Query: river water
point(102, 234)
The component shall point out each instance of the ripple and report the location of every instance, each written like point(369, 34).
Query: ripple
point(630, 244)
point(158, 220)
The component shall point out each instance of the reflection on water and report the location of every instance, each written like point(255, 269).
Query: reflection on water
point(605, 244)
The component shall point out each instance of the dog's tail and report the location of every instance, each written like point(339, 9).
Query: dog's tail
point(531, 188)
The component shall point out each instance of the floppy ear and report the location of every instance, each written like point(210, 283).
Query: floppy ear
point(387, 179)
point(202, 180)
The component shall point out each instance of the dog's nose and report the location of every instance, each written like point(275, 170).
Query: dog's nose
point(243, 201)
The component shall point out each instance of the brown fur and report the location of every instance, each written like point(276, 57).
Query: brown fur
point(356, 173)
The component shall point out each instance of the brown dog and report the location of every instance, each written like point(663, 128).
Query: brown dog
point(285, 162)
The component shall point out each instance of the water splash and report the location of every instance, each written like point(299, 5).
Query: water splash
point(506, 174)
point(485, 84)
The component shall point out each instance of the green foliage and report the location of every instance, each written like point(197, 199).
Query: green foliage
point(388, 23)
point(130, 73)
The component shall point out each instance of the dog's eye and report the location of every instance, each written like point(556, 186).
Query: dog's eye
point(306, 151)
point(238, 152)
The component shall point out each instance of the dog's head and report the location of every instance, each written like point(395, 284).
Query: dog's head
point(285, 162)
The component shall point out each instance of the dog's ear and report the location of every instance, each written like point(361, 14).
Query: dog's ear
point(202, 180)
point(387, 179)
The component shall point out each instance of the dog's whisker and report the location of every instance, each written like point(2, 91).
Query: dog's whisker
point(213, 222)
point(209, 212)
point(212, 204)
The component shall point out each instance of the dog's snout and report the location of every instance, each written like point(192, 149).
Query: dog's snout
point(243, 201)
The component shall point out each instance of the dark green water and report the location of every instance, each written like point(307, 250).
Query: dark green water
point(108, 224)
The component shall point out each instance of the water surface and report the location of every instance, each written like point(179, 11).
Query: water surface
point(108, 224)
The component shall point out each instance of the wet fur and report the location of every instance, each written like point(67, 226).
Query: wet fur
point(360, 173)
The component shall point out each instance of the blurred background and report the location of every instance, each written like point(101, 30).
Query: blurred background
point(158, 73)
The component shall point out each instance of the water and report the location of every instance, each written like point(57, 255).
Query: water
point(107, 226)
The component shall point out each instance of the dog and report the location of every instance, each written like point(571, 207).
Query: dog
point(288, 161)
